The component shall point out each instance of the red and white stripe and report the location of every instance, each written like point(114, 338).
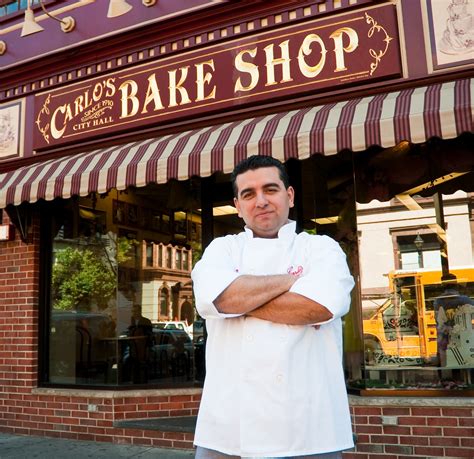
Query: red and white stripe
point(442, 110)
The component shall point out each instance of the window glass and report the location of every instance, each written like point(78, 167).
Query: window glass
point(117, 316)
point(414, 220)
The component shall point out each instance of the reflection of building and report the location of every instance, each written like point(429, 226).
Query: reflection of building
point(166, 287)
point(388, 236)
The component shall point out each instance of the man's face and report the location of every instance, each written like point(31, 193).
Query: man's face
point(262, 201)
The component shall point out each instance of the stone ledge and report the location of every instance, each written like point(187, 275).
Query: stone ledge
point(184, 424)
point(112, 394)
point(367, 400)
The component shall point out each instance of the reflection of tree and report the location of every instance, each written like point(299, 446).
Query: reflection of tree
point(80, 277)
point(197, 251)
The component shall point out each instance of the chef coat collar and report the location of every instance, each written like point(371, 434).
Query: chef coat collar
point(287, 231)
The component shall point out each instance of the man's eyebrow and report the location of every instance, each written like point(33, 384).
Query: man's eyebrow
point(267, 185)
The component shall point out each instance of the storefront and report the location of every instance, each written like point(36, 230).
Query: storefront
point(114, 176)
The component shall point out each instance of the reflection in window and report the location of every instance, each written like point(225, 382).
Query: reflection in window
point(417, 265)
point(109, 293)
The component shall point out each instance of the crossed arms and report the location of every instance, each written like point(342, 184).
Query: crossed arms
point(269, 298)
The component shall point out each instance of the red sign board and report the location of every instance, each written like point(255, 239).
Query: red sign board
point(345, 49)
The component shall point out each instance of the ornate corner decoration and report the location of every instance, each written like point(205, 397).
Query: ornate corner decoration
point(377, 55)
point(44, 110)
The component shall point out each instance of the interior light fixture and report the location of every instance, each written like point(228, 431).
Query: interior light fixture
point(117, 8)
point(30, 26)
point(3, 47)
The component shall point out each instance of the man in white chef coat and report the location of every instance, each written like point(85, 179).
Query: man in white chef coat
point(274, 385)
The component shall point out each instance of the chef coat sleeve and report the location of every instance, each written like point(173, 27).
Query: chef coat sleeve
point(211, 276)
point(326, 278)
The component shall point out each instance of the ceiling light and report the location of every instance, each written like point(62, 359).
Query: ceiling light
point(118, 8)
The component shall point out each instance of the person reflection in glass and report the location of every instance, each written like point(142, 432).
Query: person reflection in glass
point(140, 332)
point(445, 307)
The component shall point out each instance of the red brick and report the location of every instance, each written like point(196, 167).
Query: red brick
point(421, 411)
point(395, 411)
point(467, 442)
point(458, 412)
point(398, 449)
point(361, 420)
point(142, 441)
point(396, 430)
point(411, 421)
point(375, 420)
point(468, 422)
point(458, 432)
point(428, 431)
point(355, 456)
point(369, 429)
point(367, 410)
point(414, 440)
point(182, 445)
point(173, 435)
point(444, 441)
point(390, 439)
point(429, 451)
point(442, 421)
point(459, 452)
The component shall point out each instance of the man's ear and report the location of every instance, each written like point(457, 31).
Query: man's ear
point(237, 206)
point(291, 196)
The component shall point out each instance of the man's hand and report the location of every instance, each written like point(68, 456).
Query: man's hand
point(247, 292)
point(292, 309)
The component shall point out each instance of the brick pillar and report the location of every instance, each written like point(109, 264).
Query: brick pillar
point(19, 294)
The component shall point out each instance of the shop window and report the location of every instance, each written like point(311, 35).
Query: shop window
point(178, 259)
point(110, 295)
point(164, 301)
point(417, 306)
point(169, 257)
point(149, 253)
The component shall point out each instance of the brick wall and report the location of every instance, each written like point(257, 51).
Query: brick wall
point(413, 431)
point(418, 430)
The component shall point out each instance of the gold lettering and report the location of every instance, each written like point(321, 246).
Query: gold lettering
point(339, 47)
point(178, 87)
point(78, 105)
point(109, 84)
point(97, 92)
point(246, 67)
point(204, 78)
point(305, 50)
point(129, 91)
point(55, 132)
point(152, 94)
point(284, 61)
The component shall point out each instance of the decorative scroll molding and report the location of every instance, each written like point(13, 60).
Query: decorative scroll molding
point(377, 55)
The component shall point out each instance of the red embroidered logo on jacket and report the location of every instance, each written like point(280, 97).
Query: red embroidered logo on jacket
point(295, 271)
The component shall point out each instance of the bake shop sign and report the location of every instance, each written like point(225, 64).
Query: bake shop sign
point(353, 48)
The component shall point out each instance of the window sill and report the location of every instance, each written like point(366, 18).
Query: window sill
point(112, 394)
point(420, 400)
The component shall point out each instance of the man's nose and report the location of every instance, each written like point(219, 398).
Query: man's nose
point(261, 200)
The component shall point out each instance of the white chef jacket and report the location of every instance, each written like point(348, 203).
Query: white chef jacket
point(272, 389)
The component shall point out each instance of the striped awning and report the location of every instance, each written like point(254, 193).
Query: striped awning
point(442, 110)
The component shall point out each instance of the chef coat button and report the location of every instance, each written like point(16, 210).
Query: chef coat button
point(279, 378)
point(249, 337)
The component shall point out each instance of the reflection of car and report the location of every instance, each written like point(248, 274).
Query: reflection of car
point(198, 331)
point(175, 325)
point(172, 351)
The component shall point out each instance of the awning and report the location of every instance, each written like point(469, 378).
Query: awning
point(443, 110)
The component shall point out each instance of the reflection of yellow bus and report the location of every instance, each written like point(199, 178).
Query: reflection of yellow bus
point(403, 329)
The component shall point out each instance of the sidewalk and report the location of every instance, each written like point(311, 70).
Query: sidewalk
point(21, 447)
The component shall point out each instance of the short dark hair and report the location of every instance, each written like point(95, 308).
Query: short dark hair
point(257, 162)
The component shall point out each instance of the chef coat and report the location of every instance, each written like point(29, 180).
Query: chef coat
point(273, 389)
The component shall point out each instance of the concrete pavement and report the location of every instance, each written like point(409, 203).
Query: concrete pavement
point(27, 447)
